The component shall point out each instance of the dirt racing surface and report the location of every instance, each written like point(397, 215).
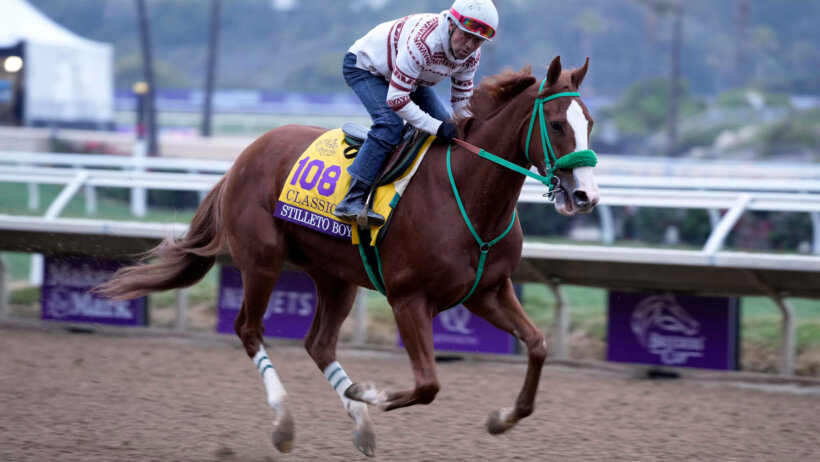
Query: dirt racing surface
point(94, 397)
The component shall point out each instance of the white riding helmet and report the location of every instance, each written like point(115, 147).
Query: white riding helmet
point(476, 17)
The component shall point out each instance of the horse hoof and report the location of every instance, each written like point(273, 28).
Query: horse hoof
point(369, 394)
point(365, 441)
point(283, 433)
point(497, 422)
point(355, 391)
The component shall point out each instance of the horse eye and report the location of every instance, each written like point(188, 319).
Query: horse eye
point(556, 127)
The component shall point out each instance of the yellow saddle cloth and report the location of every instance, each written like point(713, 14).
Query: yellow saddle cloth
point(319, 181)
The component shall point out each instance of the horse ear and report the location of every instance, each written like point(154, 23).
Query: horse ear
point(554, 71)
point(579, 74)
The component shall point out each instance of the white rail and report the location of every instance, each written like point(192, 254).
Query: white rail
point(731, 193)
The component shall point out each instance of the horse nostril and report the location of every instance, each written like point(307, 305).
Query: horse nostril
point(580, 198)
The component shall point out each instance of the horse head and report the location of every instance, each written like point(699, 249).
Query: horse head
point(565, 126)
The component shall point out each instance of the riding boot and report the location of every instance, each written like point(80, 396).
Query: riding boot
point(353, 205)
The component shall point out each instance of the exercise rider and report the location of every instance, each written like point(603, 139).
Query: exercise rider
point(392, 70)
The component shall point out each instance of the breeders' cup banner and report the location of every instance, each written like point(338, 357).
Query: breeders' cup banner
point(459, 330)
point(66, 296)
point(290, 308)
point(673, 330)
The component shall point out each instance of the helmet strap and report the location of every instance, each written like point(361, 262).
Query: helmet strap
point(451, 29)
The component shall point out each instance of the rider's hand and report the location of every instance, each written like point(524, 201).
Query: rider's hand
point(446, 131)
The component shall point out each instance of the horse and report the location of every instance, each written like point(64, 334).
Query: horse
point(429, 257)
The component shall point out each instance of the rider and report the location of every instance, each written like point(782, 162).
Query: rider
point(395, 83)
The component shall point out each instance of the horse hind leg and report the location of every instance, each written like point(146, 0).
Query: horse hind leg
point(503, 310)
point(336, 298)
point(257, 287)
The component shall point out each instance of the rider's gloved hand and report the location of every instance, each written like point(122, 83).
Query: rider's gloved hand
point(446, 131)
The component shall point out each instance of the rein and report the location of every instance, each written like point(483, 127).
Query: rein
point(583, 158)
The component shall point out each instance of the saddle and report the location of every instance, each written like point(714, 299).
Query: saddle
point(400, 160)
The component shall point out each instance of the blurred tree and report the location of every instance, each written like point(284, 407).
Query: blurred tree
point(129, 69)
point(643, 107)
point(741, 43)
point(261, 45)
point(591, 23)
point(675, 9)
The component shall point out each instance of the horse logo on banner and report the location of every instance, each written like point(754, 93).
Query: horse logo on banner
point(655, 321)
point(456, 320)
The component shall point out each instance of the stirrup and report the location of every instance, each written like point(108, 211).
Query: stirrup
point(368, 218)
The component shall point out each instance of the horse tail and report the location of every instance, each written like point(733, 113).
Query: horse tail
point(173, 263)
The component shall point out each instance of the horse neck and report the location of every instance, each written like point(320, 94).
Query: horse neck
point(490, 191)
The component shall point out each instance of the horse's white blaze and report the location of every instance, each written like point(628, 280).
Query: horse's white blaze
point(585, 181)
point(580, 125)
point(276, 392)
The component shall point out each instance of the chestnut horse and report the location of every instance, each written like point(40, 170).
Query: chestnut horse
point(430, 258)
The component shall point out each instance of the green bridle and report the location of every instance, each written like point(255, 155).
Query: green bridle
point(583, 158)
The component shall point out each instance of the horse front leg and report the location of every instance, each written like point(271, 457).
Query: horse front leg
point(502, 309)
point(415, 322)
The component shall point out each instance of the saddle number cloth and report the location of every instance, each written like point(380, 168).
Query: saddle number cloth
point(316, 183)
point(319, 180)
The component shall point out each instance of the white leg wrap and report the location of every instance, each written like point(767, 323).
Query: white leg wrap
point(339, 381)
point(276, 392)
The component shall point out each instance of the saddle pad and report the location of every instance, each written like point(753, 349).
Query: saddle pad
point(316, 184)
point(388, 195)
point(319, 181)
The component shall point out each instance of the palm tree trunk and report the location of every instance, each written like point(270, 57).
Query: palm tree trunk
point(675, 74)
point(210, 76)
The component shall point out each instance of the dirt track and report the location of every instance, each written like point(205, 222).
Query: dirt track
point(67, 397)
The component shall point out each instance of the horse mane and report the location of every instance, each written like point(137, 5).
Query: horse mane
point(494, 91)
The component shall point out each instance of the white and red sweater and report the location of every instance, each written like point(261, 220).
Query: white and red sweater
point(412, 51)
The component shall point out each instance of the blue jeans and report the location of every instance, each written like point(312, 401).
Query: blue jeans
point(385, 133)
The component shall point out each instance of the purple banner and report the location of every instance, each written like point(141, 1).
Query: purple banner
point(459, 330)
point(290, 307)
point(673, 330)
point(66, 297)
point(312, 220)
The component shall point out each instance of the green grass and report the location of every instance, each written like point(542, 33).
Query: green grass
point(14, 201)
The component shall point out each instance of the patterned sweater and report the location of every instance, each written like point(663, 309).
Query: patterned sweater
point(412, 51)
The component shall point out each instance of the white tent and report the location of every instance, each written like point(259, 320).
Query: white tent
point(67, 79)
